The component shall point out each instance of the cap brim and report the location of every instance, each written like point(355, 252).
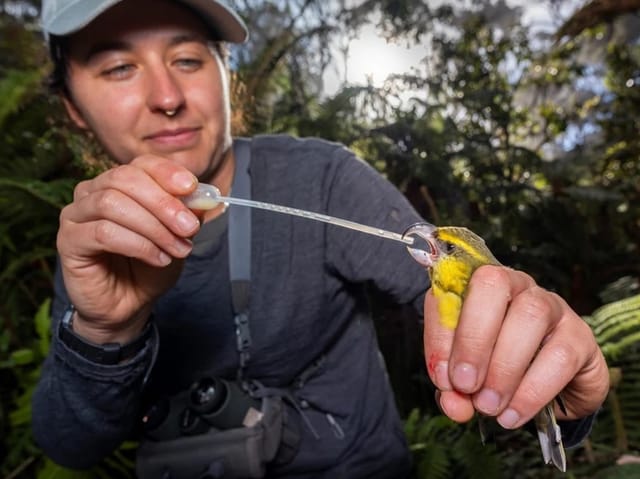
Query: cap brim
point(227, 25)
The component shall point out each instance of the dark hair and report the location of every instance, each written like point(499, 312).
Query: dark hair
point(59, 53)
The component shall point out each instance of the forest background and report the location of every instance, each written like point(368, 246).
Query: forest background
point(529, 136)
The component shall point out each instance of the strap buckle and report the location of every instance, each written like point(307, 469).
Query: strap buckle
point(243, 337)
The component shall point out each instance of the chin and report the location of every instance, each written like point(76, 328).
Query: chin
point(193, 162)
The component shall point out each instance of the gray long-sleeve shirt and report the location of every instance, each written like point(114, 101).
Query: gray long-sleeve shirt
point(307, 295)
point(307, 298)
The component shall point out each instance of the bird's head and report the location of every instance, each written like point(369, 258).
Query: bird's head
point(432, 244)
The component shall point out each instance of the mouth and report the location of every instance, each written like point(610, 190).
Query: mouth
point(424, 249)
point(173, 138)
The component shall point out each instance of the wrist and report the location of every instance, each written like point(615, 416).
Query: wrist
point(106, 353)
point(95, 333)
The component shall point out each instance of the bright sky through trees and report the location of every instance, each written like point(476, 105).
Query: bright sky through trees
point(371, 58)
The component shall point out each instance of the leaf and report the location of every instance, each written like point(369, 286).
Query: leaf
point(51, 470)
point(55, 193)
point(14, 87)
point(617, 326)
point(43, 327)
point(627, 471)
point(22, 357)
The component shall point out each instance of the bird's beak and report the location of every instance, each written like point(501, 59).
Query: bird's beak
point(424, 249)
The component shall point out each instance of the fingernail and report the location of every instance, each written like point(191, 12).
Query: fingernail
point(184, 180)
point(488, 401)
point(187, 221)
point(442, 376)
point(183, 246)
point(465, 377)
point(509, 419)
point(439, 403)
point(164, 258)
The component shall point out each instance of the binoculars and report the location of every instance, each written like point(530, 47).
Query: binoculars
point(210, 403)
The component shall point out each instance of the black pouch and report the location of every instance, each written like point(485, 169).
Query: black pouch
point(241, 452)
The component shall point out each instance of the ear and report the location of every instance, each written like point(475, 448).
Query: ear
point(74, 113)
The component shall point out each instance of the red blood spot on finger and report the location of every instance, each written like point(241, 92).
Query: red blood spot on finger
point(431, 364)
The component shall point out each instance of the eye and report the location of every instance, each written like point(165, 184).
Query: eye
point(119, 72)
point(189, 64)
point(449, 247)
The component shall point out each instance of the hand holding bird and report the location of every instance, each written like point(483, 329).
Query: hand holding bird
point(497, 343)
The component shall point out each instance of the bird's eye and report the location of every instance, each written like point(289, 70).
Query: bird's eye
point(449, 247)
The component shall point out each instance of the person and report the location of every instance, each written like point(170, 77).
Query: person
point(144, 299)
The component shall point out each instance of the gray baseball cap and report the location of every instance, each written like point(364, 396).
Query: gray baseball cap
point(63, 17)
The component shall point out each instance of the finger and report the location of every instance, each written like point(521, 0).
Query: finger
point(566, 355)
point(489, 293)
point(81, 190)
point(538, 388)
point(173, 178)
point(531, 314)
point(456, 406)
point(98, 237)
point(159, 198)
point(115, 207)
point(438, 340)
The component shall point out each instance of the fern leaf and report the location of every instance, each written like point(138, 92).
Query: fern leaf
point(13, 88)
point(43, 327)
point(616, 326)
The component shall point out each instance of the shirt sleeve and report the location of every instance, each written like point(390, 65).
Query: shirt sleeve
point(359, 193)
point(576, 431)
point(82, 411)
point(367, 197)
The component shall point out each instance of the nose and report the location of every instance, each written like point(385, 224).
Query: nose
point(165, 91)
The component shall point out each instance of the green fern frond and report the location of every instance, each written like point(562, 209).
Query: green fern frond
point(43, 327)
point(626, 471)
point(434, 462)
point(55, 193)
point(14, 87)
point(616, 326)
point(479, 461)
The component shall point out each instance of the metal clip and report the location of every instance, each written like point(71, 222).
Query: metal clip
point(243, 337)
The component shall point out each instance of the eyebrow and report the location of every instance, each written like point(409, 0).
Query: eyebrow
point(187, 38)
point(98, 48)
point(115, 45)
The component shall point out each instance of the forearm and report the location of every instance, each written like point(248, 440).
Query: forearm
point(82, 411)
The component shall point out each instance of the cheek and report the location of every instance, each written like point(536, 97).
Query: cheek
point(115, 109)
point(210, 98)
point(112, 117)
point(104, 105)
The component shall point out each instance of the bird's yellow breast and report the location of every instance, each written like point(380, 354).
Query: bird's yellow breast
point(452, 275)
point(449, 279)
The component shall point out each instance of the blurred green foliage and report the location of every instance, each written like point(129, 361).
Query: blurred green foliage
point(535, 149)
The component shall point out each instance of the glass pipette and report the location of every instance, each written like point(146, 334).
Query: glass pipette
point(207, 197)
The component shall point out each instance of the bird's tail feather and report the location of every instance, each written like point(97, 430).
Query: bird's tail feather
point(550, 438)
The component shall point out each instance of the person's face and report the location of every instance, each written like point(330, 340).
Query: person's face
point(134, 63)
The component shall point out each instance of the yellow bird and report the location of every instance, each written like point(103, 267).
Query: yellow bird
point(451, 254)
